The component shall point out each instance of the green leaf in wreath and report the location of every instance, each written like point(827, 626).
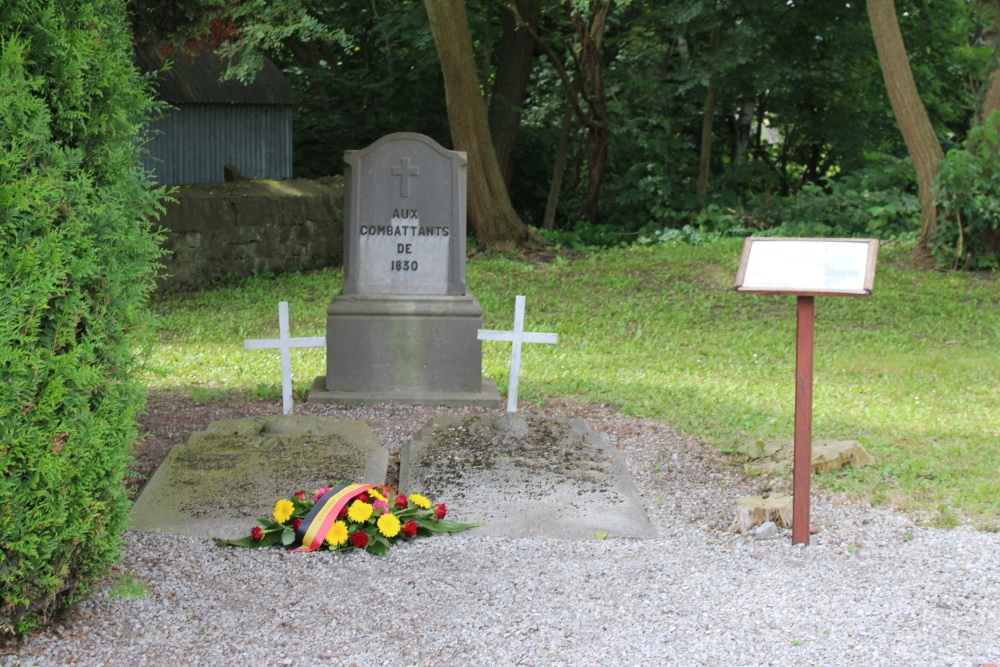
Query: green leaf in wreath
point(445, 526)
point(269, 539)
point(377, 548)
point(242, 542)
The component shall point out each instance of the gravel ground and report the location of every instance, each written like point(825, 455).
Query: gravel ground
point(872, 588)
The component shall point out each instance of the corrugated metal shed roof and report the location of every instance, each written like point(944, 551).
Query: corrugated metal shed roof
point(195, 80)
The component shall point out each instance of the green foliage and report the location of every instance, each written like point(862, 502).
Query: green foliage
point(800, 100)
point(268, 25)
point(876, 202)
point(711, 223)
point(380, 75)
point(587, 237)
point(76, 253)
point(968, 200)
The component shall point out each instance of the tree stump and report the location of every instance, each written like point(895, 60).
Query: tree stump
point(752, 511)
point(827, 455)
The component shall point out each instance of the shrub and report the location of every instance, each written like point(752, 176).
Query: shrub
point(968, 201)
point(877, 202)
point(76, 255)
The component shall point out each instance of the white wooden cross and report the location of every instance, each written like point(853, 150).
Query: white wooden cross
point(285, 343)
point(517, 336)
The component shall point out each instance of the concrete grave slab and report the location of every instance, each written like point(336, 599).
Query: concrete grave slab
point(222, 479)
point(524, 476)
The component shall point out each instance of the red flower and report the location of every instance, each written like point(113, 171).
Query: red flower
point(410, 528)
point(257, 533)
point(401, 502)
point(440, 511)
point(301, 495)
point(359, 539)
point(342, 513)
point(363, 498)
point(296, 524)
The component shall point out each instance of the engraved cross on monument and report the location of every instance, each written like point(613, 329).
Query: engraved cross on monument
point(403, 329)
point(405, 171)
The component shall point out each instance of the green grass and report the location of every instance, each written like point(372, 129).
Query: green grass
point(126, 587)
point(912, 372)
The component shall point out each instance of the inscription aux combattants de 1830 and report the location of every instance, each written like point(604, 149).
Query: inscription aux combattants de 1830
point(402, 225)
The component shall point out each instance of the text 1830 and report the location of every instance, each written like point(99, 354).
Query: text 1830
point(403, 265)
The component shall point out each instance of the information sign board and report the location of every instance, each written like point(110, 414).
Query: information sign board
point(808, 267)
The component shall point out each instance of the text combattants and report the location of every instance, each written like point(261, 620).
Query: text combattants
point(403, 230)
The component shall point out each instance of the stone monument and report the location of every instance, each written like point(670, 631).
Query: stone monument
point(404, 328)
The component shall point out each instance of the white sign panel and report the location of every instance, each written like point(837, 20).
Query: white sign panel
point(808, 266)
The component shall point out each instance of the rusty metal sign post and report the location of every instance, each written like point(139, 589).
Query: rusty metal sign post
point(806, 268)
point(802, 447)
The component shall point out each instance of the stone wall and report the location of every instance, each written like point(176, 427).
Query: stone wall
point(218, 231)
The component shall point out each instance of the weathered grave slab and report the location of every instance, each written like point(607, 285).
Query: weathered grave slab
point(524, 476)
point(222, 479)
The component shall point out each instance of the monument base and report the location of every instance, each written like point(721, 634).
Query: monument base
point(417, 349)
point(487, 397)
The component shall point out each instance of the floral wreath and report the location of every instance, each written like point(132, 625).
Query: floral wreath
point(349, 516)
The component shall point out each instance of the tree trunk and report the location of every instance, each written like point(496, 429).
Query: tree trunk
point(591, 88)
point(598, 134)
point(989, 97)
point(705, 154)
point(707, 120)
point(515, 57)
point(918, 133)
point(989, 93)
point(558, 170)
point(493, 219)
point(741, 130)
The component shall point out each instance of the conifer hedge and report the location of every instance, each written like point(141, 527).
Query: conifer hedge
point(76, 259)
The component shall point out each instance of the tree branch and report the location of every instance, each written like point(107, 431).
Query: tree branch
point(571, 92)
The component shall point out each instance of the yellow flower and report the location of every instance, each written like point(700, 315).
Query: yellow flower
point(388, 525)
point(337, 534)
point(359, 512)
point(420, 501)
point(377, 496)
point(283, 510)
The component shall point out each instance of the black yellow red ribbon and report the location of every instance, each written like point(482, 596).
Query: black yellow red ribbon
point(322, 516)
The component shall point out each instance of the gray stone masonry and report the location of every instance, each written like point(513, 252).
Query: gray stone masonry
point(404, 329)
point(218, 231)
point(404, 210)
